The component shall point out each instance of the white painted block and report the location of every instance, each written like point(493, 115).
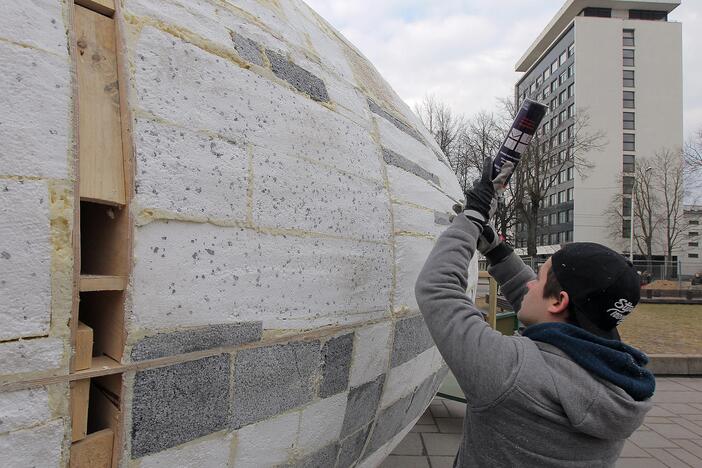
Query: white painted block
point(37, 23)
point(320, 423)
point(407, 187)
point(223, 274)
point(403, 379)
point(34, 355)
point(210, 452)
point(25, 259)
point(376, 458)
point(189, 173)
point(405, 145)
point(410, 255)
point(267, 443)
point(23, 408)
point(36, 447)
point(206, 92)
point(35, 112)
point(371, 351)
point(408, 219)
point(295, 194)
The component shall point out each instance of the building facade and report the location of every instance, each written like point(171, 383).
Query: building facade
point(608, 68)
point(691, 255)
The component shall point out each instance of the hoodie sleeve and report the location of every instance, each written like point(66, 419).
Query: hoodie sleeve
point(512, 274)
point(484, 361)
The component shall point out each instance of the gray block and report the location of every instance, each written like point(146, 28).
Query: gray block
point(179, 403)
point(397, 160)
point(412, 337)
point(336, 366)
point(388, 424)
point(376, 109)
point(441, 218)
point(297, 76)
point(421, 397)
point(322, 458)
point(248, 49)
point(352, 447)
point(361, 405)
point(273, 379)
point(196, 339)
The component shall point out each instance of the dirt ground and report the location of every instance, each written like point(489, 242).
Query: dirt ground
point(664, 328)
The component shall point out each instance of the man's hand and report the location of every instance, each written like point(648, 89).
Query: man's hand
point(488, 240)
point(481, 201)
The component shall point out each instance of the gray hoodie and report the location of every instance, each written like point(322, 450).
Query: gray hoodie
point(529, 404)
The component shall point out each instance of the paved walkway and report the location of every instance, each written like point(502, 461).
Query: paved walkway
point(671, 435)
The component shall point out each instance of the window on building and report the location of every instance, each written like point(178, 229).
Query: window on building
point(571, 70)
point(553, 219)
point(626, 228)
point(554, 123)
point(571, 111)
point(547, 92)
point(628, 38)
point(546, 74)
point(554, 67)
point(694, 222)
point(562, 196)
point(628, 78)
point(562, 59)
point(571, 90)
point(693, 244)
point(569, 236)
point(562, 97)
point(626, 206)
point(571, 49)
point(554, 103)
point(628, 57)
point(693, 255)
point(552, 199)
point(598, 12)
point(652, 15)
point(562, 78)
point(552, 239)
point(563, 217)
point(629, 162)
point(570, 172)
point(562, 116)
point(569, 194)
point(627, 185)
point(629, 142)
point(629, 121)
point(570, 216)
point(562, 137)
point(571, 131)
point(693, 234)
point(629, 100)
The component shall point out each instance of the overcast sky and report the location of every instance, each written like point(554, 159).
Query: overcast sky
point(464, 51)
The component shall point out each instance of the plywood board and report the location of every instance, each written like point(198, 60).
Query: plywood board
point(105, 414)
point(104, 7)
point(80, 398)
point(100, 152)
point(102, 283)
point(84, 347)
point(95, 451)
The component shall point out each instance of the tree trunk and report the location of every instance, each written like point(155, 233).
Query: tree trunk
point(532, 223)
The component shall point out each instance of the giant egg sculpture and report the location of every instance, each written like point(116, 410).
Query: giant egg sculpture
point(212, 215)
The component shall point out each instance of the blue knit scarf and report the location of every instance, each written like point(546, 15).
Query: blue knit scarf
point(610, 360)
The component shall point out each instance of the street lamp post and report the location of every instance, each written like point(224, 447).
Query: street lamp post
point(631, 228)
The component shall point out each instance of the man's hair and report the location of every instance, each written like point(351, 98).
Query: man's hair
point(553, 288)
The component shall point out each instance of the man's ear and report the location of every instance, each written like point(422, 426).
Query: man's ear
point(559, 304)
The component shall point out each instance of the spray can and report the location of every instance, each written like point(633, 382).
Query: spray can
point(519, 136)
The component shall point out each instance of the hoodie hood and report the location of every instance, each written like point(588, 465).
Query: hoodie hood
point(621, 389)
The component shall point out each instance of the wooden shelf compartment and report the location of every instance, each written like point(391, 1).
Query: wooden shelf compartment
point(80, 397)
point(103, 311)
point(102, 283)
point(104, 235)
point(94, 451)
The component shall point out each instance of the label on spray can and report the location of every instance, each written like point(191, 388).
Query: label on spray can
point(519, 136)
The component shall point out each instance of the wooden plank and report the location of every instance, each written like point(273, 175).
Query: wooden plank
point(104, 312)
point(84, 347)
point(102, 283)
point(104, 7)
point(100, 151)
point(95, 451)
point(484, 274)
point(105, 414)
point(80, 397)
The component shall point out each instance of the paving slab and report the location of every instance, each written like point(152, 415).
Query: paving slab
point(450, 425)
point(410, 445)
point(441, 462)
point(402, 461)
point(442, 444)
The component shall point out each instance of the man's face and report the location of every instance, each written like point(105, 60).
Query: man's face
point(534, 306)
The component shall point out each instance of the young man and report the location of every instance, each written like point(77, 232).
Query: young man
point(567, 393)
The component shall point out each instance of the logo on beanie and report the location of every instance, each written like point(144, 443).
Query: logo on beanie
point(621, 309)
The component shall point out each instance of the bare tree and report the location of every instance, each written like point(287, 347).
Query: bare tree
point(670, 180)
point(442, 123)
point(693, 153)
point(547, 155)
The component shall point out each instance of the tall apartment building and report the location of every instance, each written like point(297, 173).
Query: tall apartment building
point(620, 63)
point(691, 251)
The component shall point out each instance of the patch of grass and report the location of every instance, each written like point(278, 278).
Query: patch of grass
point(664, 328)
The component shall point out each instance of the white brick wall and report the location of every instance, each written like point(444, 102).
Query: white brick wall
point(407, 187)
point(39, 354)
point(401, 380)
point(410, 219)
point(36, 23)
point(210, 452)
point(410, 255)
point(320, 423)
point(371, 351)
point(23, 408)
point(38, 447)
point(267, 443)
point(25, 259)
point(286, 281)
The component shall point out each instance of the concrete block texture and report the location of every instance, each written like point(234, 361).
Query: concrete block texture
point(188, 173)
point(27, 356)
point(397, 160)
point(376, 109)
point(336, 365)
point(273, 379)
point(248, 49)
point(301, 79)
point(224, 274)
point(207, 452)
point(196, 339)
point(413, 221)
point(371, 351)
point(25, 258)
point(24, 408)
point(388, 423)
point(410, 254)
point(37, 24)
point(178, 403)
point(320, 423)
point(38, 446)
point(322, 458)
point(36, 89)
point(179, 82)
point(362, 405)
point(411, 337)
point(404, 378)
point(267, 443)
point(352, 447)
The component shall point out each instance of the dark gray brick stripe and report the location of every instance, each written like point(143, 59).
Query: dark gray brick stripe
point(376, 109)
point(412, 337)
point(402, 162)
point(248, 49)
point(297, 76)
